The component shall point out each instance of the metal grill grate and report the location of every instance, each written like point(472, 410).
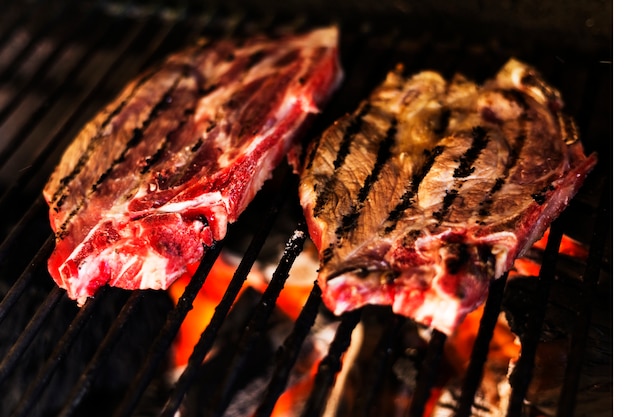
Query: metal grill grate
point(61, 62)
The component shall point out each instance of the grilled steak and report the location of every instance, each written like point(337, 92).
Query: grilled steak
point(164, 168)
point(430, 189)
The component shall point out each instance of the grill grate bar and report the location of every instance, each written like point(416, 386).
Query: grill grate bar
point(26, 337)
point(382, 363)
point(25, 279)
point(330, 365)
point(22, 135)
point(259, 319)
point(42, 378)
point(55, 18)
point(85, 381)
point(207, 339)
point(11, 242)
point(474, 372)
point(573, 370)
point(162, 342)
point(91, 23)
point(427, 374)
point(288, 353)
point(13, 19)
point(522, 373)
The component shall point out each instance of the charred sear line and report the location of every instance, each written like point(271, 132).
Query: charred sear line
point(136, 137)
point(485, 205)
point(255, 58)
point(540, 196)
point(82, 160)
point(287, 58)
point(479, 142)
point(313, 147)
point(464, 170)
point(151, 160)
point(80, 164)
point(132, 142)
point(407, 198)
point(353, 128)
point(448, 199)
point(348, 221)
point(383, 155)
point(513, 158)
point(327, 255)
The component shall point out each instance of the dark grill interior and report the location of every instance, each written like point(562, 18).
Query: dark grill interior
point(61, 62)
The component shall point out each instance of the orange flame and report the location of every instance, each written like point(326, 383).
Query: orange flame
point(569, 246)
point(203, 307)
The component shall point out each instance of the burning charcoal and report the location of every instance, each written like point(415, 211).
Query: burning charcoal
point(211, 392)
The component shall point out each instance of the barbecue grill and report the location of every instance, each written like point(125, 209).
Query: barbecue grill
point(60, 62)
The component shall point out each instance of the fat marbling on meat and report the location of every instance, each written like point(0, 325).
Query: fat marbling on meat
point(177, 156)
point(432, 188)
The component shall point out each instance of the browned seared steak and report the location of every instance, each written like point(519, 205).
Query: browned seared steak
point(164, 168)
point(431, 189)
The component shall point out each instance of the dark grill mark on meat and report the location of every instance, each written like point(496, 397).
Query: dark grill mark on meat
point(348, 221)
point(465, 169)
point(512, 160)
point(151, 160)
point(287, 59)
point(327, 255)
point(136, 137)
point(407, 198)
point(353, 128)
point(384, 153)
point(351, 131)
point(255, 58)
point(479, 142)
point(486, 204)
point(540, 196)
point(90, 148)
point(448, 199)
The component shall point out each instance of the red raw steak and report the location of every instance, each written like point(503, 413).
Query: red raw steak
point(178, 155)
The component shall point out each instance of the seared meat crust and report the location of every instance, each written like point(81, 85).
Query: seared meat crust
point(431, 189)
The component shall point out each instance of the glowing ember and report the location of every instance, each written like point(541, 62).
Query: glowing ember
point(504, 348)
point(203, 308)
